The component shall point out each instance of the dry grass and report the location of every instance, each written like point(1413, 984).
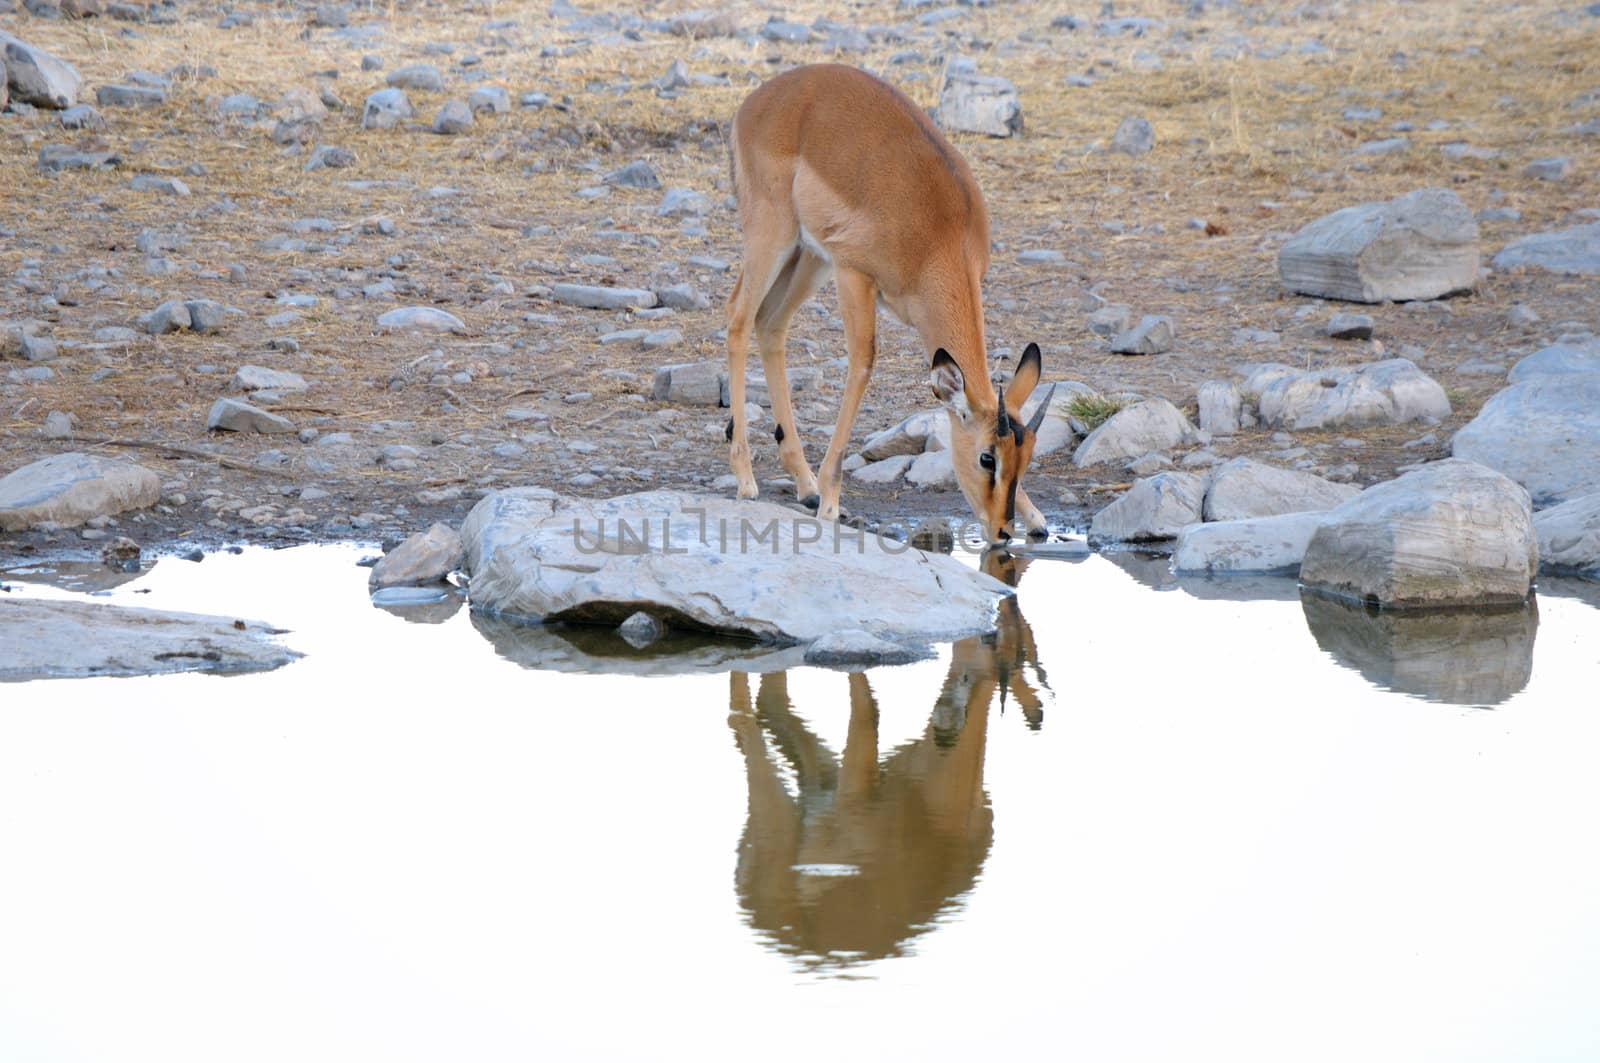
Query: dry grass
point(1250, 139)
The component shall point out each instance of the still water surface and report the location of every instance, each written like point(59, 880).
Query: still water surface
point(1149, 820)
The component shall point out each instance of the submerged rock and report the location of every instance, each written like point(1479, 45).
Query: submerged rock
point(1256, 545)
point(72, 639)
point(1450, 533)
point(858, 648)
point(70, 489)
point(711, 564)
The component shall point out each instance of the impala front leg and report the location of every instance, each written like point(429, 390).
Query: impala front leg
point(858, 306)
point(1032, 519)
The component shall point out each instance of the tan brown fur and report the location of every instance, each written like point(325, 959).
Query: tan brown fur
point(838, 172)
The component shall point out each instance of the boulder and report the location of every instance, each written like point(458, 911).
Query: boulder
point(1261, 545)
point(1133, 431)
point(1389, 392)
point(1450, 533)
point(1574, 251)
point(1455, 656)
point(421, 319)
point(1559, 358)
point(1221, 408)
point(1569, 535)
point(231, 415)
point(750, 569)
point(1243, 488)
point(972, 103)
point(426, 557)
point(35, 76)
point(1157, 507)
point(74, 639)
point(1543, 432)
point(70, 489)
point(1420, 246)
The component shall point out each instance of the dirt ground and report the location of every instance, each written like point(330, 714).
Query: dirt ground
point(1259, 112)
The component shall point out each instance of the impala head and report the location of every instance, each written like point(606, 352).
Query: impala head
point(989, 442)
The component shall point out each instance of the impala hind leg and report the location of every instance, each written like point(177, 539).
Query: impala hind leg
point(769, 243)
point(799, 280)
point(858, 305)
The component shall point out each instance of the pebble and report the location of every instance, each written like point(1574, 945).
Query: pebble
point(1350, 327)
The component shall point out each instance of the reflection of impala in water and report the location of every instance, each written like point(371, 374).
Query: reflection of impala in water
point(858, 854)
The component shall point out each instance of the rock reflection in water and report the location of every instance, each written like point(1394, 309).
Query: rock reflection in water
point(863, 855)
point(1459, 656)
point(85, 577)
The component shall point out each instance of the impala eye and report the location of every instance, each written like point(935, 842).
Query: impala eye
point(986, 460)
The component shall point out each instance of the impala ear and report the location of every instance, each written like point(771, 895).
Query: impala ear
point(1026, 377)
point(949, 385)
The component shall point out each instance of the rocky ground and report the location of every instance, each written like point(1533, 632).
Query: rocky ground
point(235, 195)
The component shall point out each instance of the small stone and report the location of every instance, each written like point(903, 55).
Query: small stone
point(972, 103)
point(489, 99)
point(640, 630)
point(1350, 327)
point(1153, 335)
point(637, 174)
point(597, 298)
point(427, 557)
point(205, 315)
point(683, 297)
point(1556, 169)
point(661, 339)
point(1110, 320)
point(421, 319)
point(260, 378)
point(170, 316)
point(386, 109)
point(1134, 136)
point(169, 186)
point(231, 415)
point(419, 77)
point(58, 425)
point(330, 156)
point(453, 118)
point(682, 202)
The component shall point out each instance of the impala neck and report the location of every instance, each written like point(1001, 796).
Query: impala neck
point(951, 316)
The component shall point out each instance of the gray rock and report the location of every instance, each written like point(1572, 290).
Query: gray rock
point(929, 430)
point(856, 647)
point(683, 297)
point(1386, 146)
point(1350, 327)
point(260, 378)
point(36, 348)
point(72, 489)
point(1450, 533)
point(426, 557)
point(1543, 432)
point(454, 117)
point(1559, 358)
point(1258, 545)
point(887, 471)
point(1134, 137)
point(1041, 256)
point(82, 117)
point(640, 630)
point(231, 415)
point(661, 339)
point(372, 62)
point(74, 639)
point(1569, 535)
point(1419, 246)
point(386, 109)
point(692, 383)
point(167, 186)
point(35, 76)
point(58, 425)
point(1557, 169)
point(205, 315)
point(130, 96)
point(1389, 392)
point(596, 298)
point(1109, 320)
point(170, 316)
point(1151, 425)
point(329, 157)
point(932, 469)
point(675, 77)
point(1152, 335)
point(776, 29)
point(1456, 656)
point(421, 319)
point(637, 174)
point(1221, 408)
point(419, 77)
point(1158, 507)
point(1573, 251)
point(973, 103)
point(535, 555)
point(1242, 488)
point(489, 99)
point(682, 202)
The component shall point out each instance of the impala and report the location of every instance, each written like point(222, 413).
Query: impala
point(838, 173)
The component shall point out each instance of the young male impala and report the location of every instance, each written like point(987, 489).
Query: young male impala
point(837, 172)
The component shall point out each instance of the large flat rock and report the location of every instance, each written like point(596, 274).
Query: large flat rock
point(1257, 545)
point(1393, 391)
point(1574, 251)
point(1242, 488)
point(71, 639)
point(1420, 246)
point(1450, 533)
point(70, 489)
point(1543, 432)
point(710, 564)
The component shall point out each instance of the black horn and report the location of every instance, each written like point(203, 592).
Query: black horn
point(1044, 405)
point(1004, 426)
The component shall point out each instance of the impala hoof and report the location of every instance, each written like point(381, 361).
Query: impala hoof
point(811, 501)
